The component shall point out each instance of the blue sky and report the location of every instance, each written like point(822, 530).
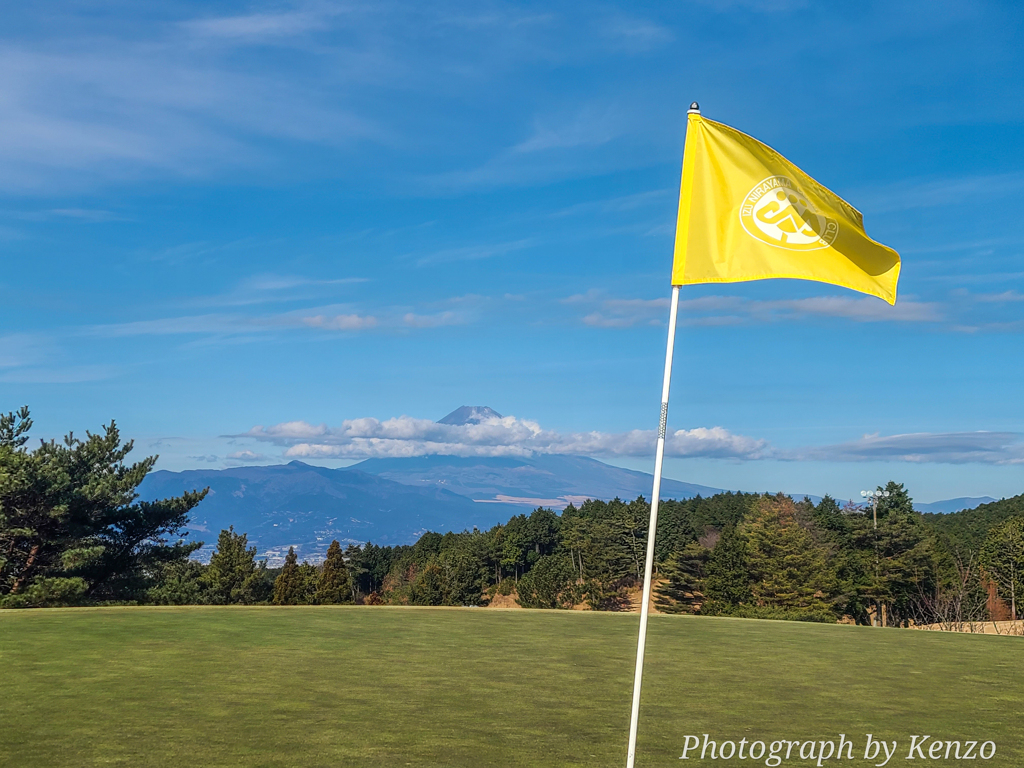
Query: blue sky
point(256, 232)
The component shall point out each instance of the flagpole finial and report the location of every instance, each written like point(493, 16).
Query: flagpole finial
point(694, 109)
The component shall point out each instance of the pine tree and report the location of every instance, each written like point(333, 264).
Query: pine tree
point(428, 587)
point(828, 517)
point(289, 585)
point(548, 584)
point(788, 568)
point(1003, 558)
point(899, 553)
point(233, 575)
point(727, 579)
point(684, 572)
point(72, 529)
point(309, 576)
point(333, 586)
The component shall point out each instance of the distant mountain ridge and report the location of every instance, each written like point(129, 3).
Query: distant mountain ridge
point(954, 505)
point(542, 480)
point(394, 500)
point(304, 506)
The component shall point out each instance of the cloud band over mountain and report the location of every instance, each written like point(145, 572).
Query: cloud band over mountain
point(508, 436)
point(405, 436)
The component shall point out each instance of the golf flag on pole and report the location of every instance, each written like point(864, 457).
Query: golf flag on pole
point(747, 213)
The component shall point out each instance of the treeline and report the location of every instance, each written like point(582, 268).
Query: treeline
point(72, 529)
point(735, 554)
point(73, 532)
point(235, 576)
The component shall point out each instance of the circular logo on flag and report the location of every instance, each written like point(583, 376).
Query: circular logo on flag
point(776, 212)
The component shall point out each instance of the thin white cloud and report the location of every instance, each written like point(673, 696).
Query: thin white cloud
point(939, 193)
point(733, 310)
point(599, 320)
point(289, 430)
point(256, 27)
point(435, 320)
point(243, 456)
point(999, 298)
point(35, 358)
point(868, 310)
point(341, 322)
point(932, 447)
point(70, 374)
point(224, 325)
point(88, 103)
point(77, 114)
point(635, 34)
point(589, 127)
point(475, 252)
point(557, 147)
point(759, 6)
point(20, 349)
point(210, 324)
point(618, 204)
point(272, 288)
point(85, 215)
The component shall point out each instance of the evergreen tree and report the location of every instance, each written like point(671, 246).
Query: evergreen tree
point(728, 576)
point(632, 520)
point(289, 585)
point(333, 586)
point(461, 576)
point(428, 586)
point(179, 583)
point(71, 527)
point(514, 546)
point(309, 578)
point(834, 528)
point(1003, 558)
point(788, 569)
point(829, 518)
point(684, 572)
point(900, 553)
point(574, 536)
point(233, 575)
point(548, 584)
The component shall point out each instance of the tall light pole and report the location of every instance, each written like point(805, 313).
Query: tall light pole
point(875, 496)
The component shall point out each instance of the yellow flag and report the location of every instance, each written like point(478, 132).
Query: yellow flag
point(747, 213)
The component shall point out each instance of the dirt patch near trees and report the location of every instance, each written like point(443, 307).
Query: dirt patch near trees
point(504, 601)
point(634, 595)
point(977, 627)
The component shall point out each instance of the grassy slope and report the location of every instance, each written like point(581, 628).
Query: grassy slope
point(392, 687)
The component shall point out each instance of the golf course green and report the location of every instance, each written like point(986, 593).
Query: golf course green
point(361, 686)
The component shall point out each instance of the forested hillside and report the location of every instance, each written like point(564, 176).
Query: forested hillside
point(966, 530)
point(732, 554)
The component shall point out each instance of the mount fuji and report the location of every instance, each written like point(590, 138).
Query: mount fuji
point(393, 501)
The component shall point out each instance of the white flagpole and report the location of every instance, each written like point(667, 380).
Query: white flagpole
point(659, 458)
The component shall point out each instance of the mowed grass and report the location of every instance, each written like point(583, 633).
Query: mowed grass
point(350, 686)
